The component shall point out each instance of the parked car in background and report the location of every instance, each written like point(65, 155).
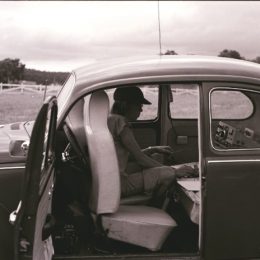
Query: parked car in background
point(56, 204)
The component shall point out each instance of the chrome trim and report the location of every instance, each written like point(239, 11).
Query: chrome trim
point(234, 161)
point(210, 118)
point(12, 167)
point(200, 148)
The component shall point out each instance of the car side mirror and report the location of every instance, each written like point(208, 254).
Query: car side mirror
point(19, 147)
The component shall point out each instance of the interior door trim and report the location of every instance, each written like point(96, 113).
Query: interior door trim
point(12, 167)
point(235, 161)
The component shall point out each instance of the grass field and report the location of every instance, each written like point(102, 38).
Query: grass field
point(16, 107)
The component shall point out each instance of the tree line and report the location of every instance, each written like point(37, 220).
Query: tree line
point(225, 53)
point(45, 77)
point(13, 71)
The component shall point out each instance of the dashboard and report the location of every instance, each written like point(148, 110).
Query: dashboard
point(228, 136)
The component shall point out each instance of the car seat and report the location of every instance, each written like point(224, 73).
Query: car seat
point(135, 224)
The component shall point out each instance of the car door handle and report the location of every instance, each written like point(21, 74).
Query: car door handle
point(13, 215)
point(181, 139)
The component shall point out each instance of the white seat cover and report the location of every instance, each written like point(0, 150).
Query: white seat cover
point(105, 190)
point(139, 225)
point(142, 199)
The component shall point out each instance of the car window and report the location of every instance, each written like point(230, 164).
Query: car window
point(229, 104)
point(235, 119)
point(150, 92)
point(185, 104)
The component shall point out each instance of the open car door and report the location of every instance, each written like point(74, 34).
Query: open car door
point(32, 219)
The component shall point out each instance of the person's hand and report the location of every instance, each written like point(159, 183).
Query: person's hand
point(165, 149)
point(196, 170)
point(186, 171)
point(164, 153)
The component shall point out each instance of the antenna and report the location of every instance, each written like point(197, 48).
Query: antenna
point(160, 43)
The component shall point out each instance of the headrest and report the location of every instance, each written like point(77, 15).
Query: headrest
point(98, 110)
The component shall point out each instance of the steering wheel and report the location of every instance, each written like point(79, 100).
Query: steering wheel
point(74, 144)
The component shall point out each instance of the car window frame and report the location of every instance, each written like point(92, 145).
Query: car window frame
point(235, 87)
point(69, 88)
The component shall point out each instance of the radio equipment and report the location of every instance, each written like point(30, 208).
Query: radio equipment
point(228, 136)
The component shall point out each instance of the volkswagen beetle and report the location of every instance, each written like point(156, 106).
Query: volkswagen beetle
point(55, 204)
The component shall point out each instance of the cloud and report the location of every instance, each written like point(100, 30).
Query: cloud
point(215, 26)
point(67, 34)
point(68, 30)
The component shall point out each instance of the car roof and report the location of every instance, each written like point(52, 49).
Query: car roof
point(166, 68)
point(182, 65)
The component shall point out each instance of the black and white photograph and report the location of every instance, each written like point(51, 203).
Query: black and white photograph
point(129, 130)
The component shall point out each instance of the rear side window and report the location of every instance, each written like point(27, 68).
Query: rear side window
point(229, 104)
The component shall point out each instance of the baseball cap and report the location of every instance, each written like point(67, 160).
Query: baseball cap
point(131, 95)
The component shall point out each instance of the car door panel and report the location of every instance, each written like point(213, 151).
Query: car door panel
point(10, 183)
point(43, 247)
point(145, 134)
point(10, 194)
point(183, 138)
point(37, 188)
point(234, 210)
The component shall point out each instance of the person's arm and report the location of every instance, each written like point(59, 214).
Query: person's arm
point(142, 159)
point(162, 149)
point(185, 171)
point(132, 146)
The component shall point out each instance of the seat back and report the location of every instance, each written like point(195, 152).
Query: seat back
point(105, 188)
point(74, 120)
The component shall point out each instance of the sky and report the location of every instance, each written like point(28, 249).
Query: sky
point(64, 35)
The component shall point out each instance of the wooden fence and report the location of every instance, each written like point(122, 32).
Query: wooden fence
point(25, 88)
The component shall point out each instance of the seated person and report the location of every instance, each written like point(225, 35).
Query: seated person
point(150, 173)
